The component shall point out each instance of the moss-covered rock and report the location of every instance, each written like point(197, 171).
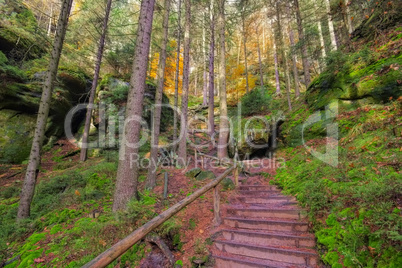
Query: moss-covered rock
point(250, 134)
point(15, 136)
point(205, 174)
point(20, 37)
point(19, 100)
point(367, 76)
point(192, 173)
point(228, 184)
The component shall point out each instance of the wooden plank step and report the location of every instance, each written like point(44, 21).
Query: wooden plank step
point(288, 255)
point(258, 187)
point(261, 212)
point(269, 238)
point(260, 193)
point(265, 200)
point(266, 224)
point(227, 260)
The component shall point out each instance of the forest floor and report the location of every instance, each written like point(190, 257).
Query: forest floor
point(194, 224)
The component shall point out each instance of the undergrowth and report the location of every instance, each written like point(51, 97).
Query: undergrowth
point(354, 207)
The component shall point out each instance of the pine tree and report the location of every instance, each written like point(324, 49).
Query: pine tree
point(84, 147)
point(28, 187)
point(127, 172)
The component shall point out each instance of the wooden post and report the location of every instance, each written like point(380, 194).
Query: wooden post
point(217, 210)
point(165, 190)
point(236, 175)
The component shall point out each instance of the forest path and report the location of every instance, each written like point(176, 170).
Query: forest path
point(263, 228)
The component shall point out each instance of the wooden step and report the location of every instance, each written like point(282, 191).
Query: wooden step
point(289, 255)
point(265, 200)
point(260, 193)
point(245, 187)
point(235, 261)
point(269, 238)
point(261, 212)
point(266, 224)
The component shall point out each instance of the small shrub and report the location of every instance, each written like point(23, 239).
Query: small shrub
point(257, 101)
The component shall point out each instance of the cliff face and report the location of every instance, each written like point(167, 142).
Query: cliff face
point(370, 73)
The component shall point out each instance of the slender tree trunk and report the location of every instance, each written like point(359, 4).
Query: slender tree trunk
point(260, 64)
point(278, 85)
point(101, 46)
point(127, 172)
point(195, 83)
point(294, 62)
point(223, 122)
point(49, 28)
point(322, 42)
point(306, 64)
point(239, 50)
point(177, 76)
point(28, 188)
point(182, 153)
point(151, 177)
point(245, 50)
point(288, 83)
point(204, 73)
point(349, 18)
point(334, 45)
point(283, 54)
point(211, 124)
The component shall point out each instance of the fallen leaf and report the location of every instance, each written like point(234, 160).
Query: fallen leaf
point(39, 260)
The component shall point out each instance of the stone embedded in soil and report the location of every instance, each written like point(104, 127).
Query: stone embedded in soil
point(192, 173)
point(205, 175)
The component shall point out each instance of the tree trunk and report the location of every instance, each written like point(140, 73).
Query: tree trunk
point(182, 153)
point(245, 50)
point(49, 27)
point(306, 64)
point(287, 83)
point(223, 122)
point(334, 45)
point(283, 54)
point(322, 42)
point(349, 18)
point(204, 72)
point(28, 188)
point(101, 46)
point(239, 50)
point(195, 83)
point(151, 177)
point(127, 172)
point(292, 44)
point(176, 82)
point(260, 63)
point(211, 124)
point(278, 85)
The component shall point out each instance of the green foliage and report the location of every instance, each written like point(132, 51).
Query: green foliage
point(192, 224)
point(140, 211)
point(358, 200)
point(257, 101)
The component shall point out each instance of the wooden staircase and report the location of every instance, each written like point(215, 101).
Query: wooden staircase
point(263, 228)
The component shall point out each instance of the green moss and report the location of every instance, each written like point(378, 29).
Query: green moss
point(357, 199)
